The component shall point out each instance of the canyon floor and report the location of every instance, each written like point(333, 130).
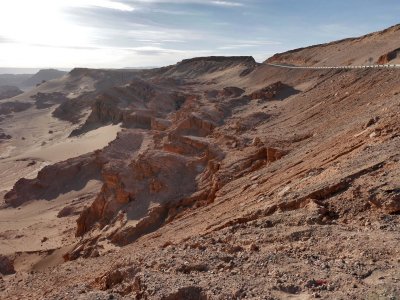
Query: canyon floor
point(215, 178)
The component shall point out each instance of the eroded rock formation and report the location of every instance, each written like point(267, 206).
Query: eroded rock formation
point(388, 57)
point(215, 186)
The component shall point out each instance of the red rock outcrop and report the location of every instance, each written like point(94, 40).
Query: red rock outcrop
point(133, 105)
point(386, 58)
point(154, 177)
point(268, 92)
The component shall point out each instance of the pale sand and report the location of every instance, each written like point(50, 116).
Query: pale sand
point(73, 147)
point(32, 142)
point(31, 148)
point(23, 229)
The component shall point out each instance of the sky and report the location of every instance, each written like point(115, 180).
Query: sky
point(147, 33)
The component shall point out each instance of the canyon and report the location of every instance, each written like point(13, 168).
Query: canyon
point(214, 178)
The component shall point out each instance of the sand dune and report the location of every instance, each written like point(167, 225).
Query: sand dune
point(73, 147)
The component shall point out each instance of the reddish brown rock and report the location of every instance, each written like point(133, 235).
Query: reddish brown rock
point(267, 93)
point(386, 58)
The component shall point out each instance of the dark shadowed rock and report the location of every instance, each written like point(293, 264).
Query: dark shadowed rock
point(6, 265)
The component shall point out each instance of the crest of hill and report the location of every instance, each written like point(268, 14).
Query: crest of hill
point(379, 47)
point(43, 75)
point(200, 66)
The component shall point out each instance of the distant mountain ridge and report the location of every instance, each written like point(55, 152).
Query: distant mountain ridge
point(27, 81)
point(43, 75)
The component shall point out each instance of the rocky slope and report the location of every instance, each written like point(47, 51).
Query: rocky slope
point(9, 91)
point(13, 79)
point(229, 180)
point(43, 76)
point(29, 81)
point(376, 48)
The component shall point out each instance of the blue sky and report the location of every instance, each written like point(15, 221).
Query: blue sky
point(136, 33)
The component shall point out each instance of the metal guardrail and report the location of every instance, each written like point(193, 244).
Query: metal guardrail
point(335, 67)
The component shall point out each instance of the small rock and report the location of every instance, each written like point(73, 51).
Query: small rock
point(316, 295)
point(32, 163)
point(371, 122)
point(256, 141)
point(254, 248)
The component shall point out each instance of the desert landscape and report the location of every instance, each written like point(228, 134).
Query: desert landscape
point(218, 177)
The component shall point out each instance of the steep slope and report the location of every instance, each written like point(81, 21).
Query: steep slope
point(232, 180)
point(380, 47)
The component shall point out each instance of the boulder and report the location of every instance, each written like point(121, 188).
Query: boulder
point(6, 265)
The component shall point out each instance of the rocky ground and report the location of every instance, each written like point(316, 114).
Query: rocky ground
point(229, 180)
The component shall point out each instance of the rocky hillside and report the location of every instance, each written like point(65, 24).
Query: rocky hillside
point(380, 47)
point(13, 79)
point(229, 180)
point(29, 81)
point(7, 91)
point(42, 76)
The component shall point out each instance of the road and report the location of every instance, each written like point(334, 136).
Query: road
point(335, 67)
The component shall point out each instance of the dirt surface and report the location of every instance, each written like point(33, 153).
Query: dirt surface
point(227, 180)
point(375, 48)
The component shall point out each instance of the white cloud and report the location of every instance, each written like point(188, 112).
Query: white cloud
point(248, 44)
point(205, 2)
point(100, 3)
point(48, 33)
point(42, 22)
point(227, 3)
